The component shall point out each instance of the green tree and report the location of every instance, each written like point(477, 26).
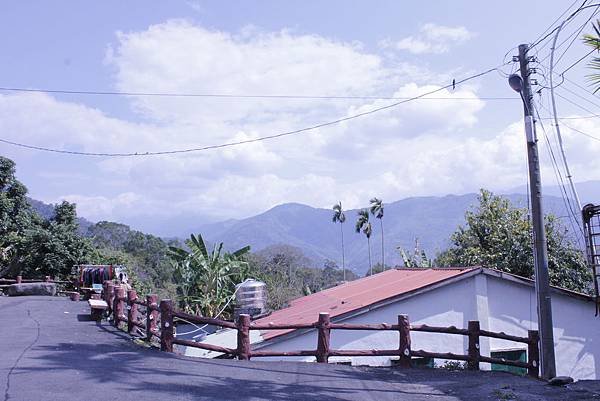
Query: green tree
point(340, 217)
point(498, 235)
point(377, 268)
point(284, 269)
point(146, 256)
point(272, 265)
point(363, 224)
point(16, 217)
point(206, 280)
point(54, 246)
point(377, 211)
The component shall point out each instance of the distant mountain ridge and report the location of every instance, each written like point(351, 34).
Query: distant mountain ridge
point(47, 211)
point(430, 219)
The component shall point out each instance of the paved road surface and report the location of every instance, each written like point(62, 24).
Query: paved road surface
point(50, 351)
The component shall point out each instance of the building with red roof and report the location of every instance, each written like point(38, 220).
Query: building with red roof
point(437, 297)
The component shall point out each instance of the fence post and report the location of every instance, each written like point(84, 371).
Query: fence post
point(151, 315)
point(166, 325)
point(108, 297)
point(533, 353)
point(131, 310)
point(118, 307)
point(19, 279)
point(323, 338)
point(243, 337)
point(474, 352)
point(404, 331)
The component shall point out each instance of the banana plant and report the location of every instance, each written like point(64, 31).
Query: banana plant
point(206, 280)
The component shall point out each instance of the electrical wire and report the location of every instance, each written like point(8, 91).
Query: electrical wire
point(573, 118)
point(576, 62)
point(583, 88)
point(581, 132)
point(565, 88)
point(575, 37)
point(560, 181)
point(574, 103)
point(567, 22)
point(263, 138)
point(541, 39)
point(234, 96)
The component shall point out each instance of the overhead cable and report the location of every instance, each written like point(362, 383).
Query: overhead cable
point(541, 38)
point(263, 138)
point(581, 132)
point(560, 181)
point(236, 96)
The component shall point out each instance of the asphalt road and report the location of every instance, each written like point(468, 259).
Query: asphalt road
point(49, 350)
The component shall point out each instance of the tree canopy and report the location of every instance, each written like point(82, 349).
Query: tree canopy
point(33, 245)
point(498, 235)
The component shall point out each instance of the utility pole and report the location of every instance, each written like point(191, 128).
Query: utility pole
point(540, 254)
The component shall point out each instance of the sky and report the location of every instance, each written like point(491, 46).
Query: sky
point(461, 140)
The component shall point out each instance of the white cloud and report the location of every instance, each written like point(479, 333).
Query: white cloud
point(177, 56)
point(425, 147)
point(432, 38)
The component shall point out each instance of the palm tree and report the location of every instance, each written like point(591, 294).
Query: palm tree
point(594, 42)
point(363, 224)
point(377, 211)
point(340, 217)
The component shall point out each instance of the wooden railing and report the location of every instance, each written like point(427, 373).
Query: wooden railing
point(119, 301)
point(20, 280)
point(5, 283)
point(124, 306)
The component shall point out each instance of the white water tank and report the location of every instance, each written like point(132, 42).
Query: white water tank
point(251, 298)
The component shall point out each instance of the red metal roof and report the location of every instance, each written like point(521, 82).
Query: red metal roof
point(355, 295)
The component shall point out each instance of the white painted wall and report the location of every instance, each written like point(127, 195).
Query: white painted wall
point(512, 309)
point(499, 305)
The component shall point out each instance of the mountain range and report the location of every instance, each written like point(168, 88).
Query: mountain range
point(430, 220)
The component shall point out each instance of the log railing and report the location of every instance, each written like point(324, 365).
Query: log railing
point(20, 280)
point(5, 283)
point(124, 306)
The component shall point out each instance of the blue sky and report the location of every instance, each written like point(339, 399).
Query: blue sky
point(358, 48)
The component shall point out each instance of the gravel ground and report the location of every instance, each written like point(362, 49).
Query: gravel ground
point(51, 351)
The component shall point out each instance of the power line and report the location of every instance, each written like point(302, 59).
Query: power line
point(228, 144)
point(560, 181)
point(538, 40)
point(577, 62)
point(578, 33)
point(580, 87)
point(573, 118)
point(235, 96)
point(580, 97)
point(581, 132)
point(574, 103)
point(565, 23)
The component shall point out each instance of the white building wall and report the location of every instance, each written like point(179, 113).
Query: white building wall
point(499, 305)
point(512, 309)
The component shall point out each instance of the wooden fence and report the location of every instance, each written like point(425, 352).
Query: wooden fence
point(20, 279)
point(124, 307)
point(7, 282)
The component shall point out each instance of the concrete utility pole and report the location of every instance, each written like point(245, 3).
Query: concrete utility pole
point(542, 284)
